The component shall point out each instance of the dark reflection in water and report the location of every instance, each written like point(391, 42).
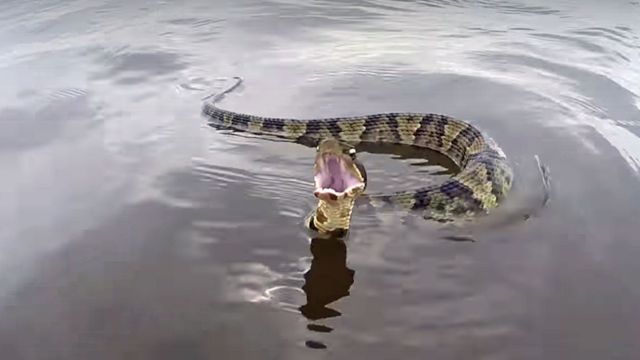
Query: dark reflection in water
point(328, 279)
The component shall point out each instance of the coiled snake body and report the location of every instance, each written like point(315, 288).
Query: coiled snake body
point(484, 179)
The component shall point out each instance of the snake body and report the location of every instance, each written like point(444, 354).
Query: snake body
point(484, 179)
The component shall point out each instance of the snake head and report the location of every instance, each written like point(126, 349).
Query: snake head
point(338, 174)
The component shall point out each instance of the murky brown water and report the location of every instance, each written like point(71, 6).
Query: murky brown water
point(132, 230)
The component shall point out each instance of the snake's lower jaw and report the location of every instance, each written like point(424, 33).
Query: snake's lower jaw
point(331, 196)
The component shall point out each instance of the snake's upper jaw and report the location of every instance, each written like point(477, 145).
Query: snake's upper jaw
point(336, 178)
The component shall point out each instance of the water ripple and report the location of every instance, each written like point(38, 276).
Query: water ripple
point(132, 67)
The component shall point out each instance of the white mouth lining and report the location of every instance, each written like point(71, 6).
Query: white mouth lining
point(321, 177)
point(339, 193)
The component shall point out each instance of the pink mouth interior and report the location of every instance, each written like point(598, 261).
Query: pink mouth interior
point(334, 176)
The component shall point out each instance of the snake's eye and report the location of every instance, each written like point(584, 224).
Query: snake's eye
point(352, 152)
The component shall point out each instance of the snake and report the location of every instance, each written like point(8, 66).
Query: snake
point(483, 181)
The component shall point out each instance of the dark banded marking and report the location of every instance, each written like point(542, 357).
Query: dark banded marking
point(431, 133)
point(240, 120)
point(376, 129)
point(392, 122)
point(457, 190)
point(463, 141)
point(422, 200)
point(273, 125)
point(440, 124)
point(331, 125)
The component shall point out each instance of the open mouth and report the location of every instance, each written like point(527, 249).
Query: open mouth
point(334, 180)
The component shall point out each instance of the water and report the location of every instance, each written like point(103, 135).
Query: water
point(131, 229)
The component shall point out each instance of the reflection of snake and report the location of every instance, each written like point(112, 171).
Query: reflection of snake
point(484, 178)
point(327, 280)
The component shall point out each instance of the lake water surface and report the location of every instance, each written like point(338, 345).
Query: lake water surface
point(130, 229)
